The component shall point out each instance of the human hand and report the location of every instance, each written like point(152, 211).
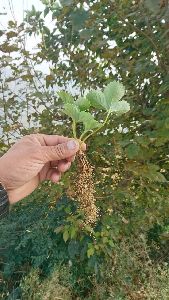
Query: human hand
point(35, 158)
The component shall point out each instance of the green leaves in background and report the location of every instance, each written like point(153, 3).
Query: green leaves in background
point(65, 236)
point(78, 18)
point(153, 5)
point(132, 151)
point(66, 2)
point(90, 252)
point(148, 171)
point(66, 97)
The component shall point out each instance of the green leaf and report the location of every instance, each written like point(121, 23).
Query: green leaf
point(149, 171)
point(66, 2)
point(73, 232)
point(120, 107)
point(66, 97)
point(11, 34)
point(46, 30)
point(158, 177)
point(66, 235)
point(153, 5)
point(58, 229)
point(85, 34)
point(12, 24)
point(97, 99)
point(83, 103)
point(1, 32)
point(88, 228)
point(72, 111)
point(132, 151)
point(78, 18)
point(90, 252)
point(111, 243)
point(88, 120)
point(113, 92)
point(153, 173)
point(73, 248)
point(46, 11)
point(167, 123)
point(105, 240)
point(27, 77)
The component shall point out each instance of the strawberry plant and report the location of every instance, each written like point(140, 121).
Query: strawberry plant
point(83, 111)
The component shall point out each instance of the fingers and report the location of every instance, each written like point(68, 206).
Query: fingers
point(60, 151)
point(63, 166)
point(52, 140)
point(53, 175)
point(71, 159)
point(60, 156)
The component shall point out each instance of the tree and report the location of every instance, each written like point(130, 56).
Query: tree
point(91, 44)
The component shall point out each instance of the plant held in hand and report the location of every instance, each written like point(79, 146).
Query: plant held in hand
point(108, 101)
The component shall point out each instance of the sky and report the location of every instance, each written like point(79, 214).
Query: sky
point(15, 9)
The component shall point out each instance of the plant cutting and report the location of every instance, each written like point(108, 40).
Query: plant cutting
point(83, 111)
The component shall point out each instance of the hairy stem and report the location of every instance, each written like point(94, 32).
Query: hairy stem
point(82, 135)
point(97, 130)
point(74, 129)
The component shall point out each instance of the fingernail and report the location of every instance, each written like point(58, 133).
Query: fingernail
point(72, 145)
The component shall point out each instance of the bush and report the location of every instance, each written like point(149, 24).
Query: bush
point(132, 275)
point(39, 260)
point(54, 288)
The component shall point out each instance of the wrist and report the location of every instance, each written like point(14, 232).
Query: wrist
point(14, 194)
point(3, 181)
point(4, 202)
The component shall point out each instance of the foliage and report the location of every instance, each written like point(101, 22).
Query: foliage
point(51, 288)
point(41, 238)
point(132, 274)
point(44, 251)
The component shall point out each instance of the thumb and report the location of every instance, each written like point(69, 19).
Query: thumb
point(60, 151)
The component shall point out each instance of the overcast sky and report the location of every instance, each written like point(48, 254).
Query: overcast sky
point(15, 9)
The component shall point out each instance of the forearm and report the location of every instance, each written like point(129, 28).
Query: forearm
point(7, 179)
point(4, 202)
point(4, 199)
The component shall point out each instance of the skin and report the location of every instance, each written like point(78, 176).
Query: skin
point(33, 159)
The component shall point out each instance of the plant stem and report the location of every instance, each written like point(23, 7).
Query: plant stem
point(74, 129)
point(98, 129)
point(82, 135)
